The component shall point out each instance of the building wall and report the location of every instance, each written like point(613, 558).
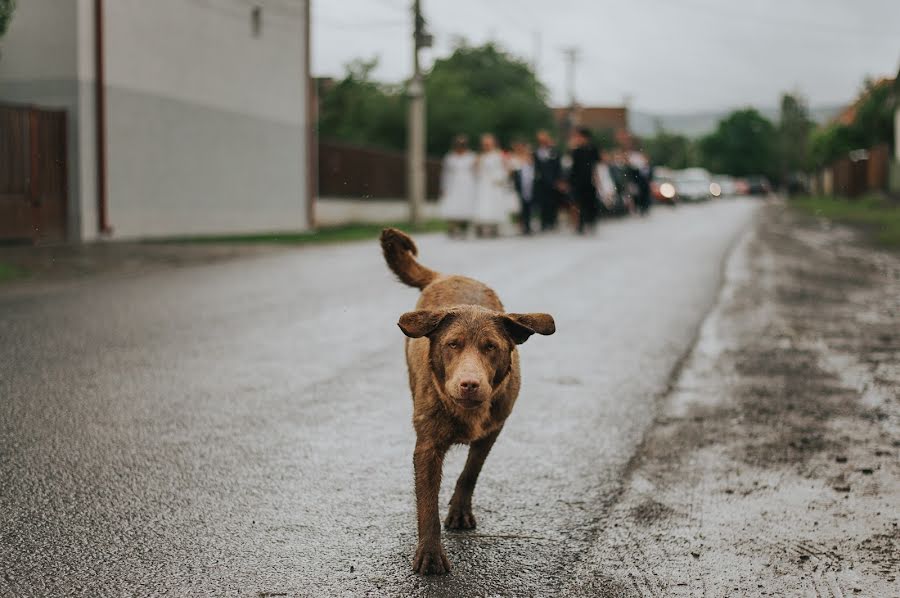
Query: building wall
point(41, 42)
point(206, 119)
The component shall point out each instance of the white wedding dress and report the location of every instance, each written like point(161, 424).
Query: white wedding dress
point(492, 190)
point(458, 187)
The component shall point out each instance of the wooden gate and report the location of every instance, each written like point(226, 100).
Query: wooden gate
point(33, 185)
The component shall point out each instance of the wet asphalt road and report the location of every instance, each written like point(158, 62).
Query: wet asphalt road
point(243, 428)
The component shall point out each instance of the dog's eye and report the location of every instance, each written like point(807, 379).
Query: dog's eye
point(453, 345)
point(490, 347)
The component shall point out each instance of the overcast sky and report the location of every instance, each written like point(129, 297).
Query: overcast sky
point(668, 56)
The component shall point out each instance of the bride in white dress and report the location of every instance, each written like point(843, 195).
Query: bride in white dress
point(492, 185)
point(458, 187)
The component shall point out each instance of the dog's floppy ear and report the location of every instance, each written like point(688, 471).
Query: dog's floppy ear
point(416, 324)
point(521, 326)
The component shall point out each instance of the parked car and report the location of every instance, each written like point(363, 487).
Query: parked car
point(758, 185)
point(723, 186)
point(797, 183)
point(693, 184)
point(662, 186)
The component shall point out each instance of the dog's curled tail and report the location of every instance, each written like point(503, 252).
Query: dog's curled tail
point(399, 253)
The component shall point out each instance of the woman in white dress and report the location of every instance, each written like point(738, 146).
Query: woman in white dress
point(606, 186)
point(492, 188)
point(458, 187)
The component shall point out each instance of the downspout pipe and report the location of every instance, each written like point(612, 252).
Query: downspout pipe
point(312, 145)
point(100, 104)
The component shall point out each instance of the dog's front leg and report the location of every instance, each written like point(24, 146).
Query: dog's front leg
point(460, 514)
point(427, 462)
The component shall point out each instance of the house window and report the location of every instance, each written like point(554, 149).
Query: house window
point(256, 21)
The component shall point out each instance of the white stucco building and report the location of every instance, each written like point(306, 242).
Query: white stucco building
point(200, 121)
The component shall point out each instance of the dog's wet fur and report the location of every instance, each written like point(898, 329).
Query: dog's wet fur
point(464, 376)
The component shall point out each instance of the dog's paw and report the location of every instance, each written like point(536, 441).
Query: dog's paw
point(430, 559)
point(459, 518)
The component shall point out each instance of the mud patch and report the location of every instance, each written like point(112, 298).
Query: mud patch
point(650, 511)
point(883, 551)
point(771, 469)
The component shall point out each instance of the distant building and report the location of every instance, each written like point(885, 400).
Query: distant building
point(596, 118)
point(185, 117)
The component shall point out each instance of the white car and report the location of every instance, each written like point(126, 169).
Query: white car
point(727, 186)
point(694, 184)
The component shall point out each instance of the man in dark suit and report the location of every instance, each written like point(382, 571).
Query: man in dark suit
point(581, 178)
point(547, 179)
point(523, 182)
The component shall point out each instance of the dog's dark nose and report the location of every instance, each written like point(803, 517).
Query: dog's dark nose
point(469, 386)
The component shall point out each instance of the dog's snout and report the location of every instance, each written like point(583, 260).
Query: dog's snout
point(469, 385)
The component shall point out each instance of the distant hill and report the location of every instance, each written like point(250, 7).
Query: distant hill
point(700, 123)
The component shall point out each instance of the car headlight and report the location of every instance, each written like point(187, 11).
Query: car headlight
point(667, 190)
point(715, 189)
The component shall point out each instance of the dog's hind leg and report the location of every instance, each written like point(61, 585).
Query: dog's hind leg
point(460, 514)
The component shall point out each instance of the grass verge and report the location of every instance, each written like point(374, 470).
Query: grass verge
point(331, 234)
point(8, 273)
point(876, 216)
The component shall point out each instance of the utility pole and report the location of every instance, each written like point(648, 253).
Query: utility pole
point(416, 143)
point(536, 59)
point(571, 54)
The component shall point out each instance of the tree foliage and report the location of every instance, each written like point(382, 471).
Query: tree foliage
point(7, 7)
point(670, 149)
point(480, 89)
point(828, 143)
point(794, 128)
point(743, 144)
point(475, 90)
point(874, 120)
point(359, 110)
point(873, 124)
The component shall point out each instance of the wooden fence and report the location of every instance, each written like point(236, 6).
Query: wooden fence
point(350, 171)
point(862, 172)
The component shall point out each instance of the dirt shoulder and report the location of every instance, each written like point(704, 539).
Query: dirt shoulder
point(773, 469)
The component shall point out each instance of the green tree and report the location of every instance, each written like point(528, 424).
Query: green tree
point(477, 89)
point(7, 7)
point(744, 143)
point(480, 89)
point(670, 149)
point(359, 110)
point(828, 143)
point(872, 125)
point(874, 120)
point(794, 129)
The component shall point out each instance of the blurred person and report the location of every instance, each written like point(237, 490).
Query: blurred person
point(547, 180)
point(491, 184)
point(458, 187)
point(618, 172)
point(581, 179)
point(512, 160)
point(640, 173)
point(524, 183)
point(607, 192)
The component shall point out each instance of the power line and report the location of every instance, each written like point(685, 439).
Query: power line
point(359, 25)
point(392, 5)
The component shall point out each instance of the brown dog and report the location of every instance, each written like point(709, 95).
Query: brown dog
point(464, 377)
